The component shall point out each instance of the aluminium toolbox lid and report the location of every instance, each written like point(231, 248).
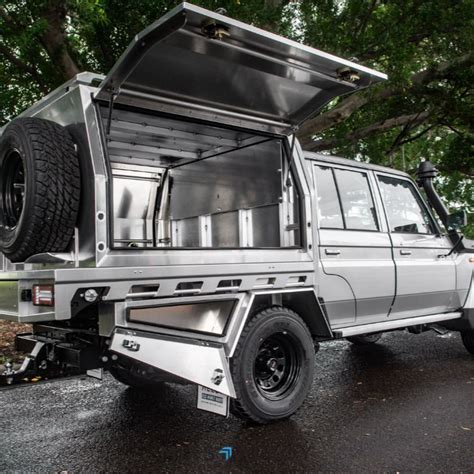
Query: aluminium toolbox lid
point(196, 63)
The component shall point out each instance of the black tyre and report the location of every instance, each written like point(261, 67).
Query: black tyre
point(468, 340)
point(365, 339)
point(272, 367)
point(39, 188)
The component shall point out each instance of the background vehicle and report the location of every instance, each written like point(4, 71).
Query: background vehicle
point(163, 222)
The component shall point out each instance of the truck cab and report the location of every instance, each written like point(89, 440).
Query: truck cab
point(163, 223)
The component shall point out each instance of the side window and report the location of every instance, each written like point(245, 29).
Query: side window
point(330, 215)
point(344, 200)
point(356, 199)
point(405, 211)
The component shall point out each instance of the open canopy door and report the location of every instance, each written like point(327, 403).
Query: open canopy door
point(196, 63)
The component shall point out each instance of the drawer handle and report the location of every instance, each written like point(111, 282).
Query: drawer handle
point(405, 252)
point(332, 252)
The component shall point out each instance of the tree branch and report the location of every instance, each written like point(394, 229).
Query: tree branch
point(417, 135)
point(332, 117)
point(374, 129)
point(32, 71)
point(465, 170)
point(400, 140)
point(356, 101)
point(363, 24)
point(441, 70)
point(453, 129)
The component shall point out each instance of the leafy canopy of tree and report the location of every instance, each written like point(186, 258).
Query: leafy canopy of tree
point(424, 111)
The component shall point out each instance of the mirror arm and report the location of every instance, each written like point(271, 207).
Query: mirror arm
point(455, 247)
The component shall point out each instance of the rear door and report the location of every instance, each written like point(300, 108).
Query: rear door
point(426, 278)
point(354, 246)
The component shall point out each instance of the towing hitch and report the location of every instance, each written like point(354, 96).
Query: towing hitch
point(51, 357)
point(32, 365)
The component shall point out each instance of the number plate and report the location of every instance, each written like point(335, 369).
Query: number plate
point(210, 400)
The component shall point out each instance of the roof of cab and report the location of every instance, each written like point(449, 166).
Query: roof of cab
point(337, 160)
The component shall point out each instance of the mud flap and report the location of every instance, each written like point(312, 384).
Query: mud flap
point(201, 362)
point(212, 401)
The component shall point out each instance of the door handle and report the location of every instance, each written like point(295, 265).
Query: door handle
point(332, 252)
point(405, 252)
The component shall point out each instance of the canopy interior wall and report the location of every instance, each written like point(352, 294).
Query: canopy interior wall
point(178, 183)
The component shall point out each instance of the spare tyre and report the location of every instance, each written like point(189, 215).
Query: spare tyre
point(39, 188)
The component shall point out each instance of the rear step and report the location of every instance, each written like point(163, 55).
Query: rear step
point(395, 324)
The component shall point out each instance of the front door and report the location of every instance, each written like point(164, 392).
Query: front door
point(426, 279)
point(357, 272)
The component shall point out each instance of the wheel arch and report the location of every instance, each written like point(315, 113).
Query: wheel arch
point(305, 303)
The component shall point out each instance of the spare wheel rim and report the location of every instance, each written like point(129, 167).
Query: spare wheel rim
point(12, 189)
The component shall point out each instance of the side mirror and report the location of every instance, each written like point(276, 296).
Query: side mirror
point(457, 220)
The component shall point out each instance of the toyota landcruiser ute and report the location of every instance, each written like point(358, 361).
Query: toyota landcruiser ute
point(163, 223)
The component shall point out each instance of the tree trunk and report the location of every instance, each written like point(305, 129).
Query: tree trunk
point(54, 39)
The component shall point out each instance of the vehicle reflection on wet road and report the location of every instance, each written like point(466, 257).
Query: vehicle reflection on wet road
point(406, 403)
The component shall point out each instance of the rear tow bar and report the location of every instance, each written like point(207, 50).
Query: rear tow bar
point(29, 367)
point(50, 357)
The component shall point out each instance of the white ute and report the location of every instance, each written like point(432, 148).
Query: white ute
point(164, 224)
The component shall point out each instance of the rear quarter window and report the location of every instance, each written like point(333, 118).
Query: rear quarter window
point(345, 200)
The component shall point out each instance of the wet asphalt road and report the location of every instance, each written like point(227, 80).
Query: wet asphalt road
point(405, 404)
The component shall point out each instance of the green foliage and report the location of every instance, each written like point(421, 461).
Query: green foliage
point(44, 42)
point(403, 38)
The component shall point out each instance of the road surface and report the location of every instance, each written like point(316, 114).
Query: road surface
point(405, 404)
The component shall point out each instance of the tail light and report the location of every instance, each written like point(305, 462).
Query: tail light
point(43, 295)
